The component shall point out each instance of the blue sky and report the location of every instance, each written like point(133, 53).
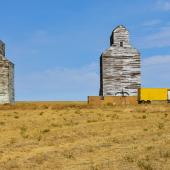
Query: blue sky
point(56, 44)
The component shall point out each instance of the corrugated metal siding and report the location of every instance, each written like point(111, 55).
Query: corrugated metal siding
point(120, 66)
point(6, 78)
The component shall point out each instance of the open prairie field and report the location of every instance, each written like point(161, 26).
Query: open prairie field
point(75, 136)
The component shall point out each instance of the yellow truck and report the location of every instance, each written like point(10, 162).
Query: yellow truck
point(148, 95)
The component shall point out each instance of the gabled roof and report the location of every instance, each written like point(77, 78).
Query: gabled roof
point(119, 26)
point(1, 42)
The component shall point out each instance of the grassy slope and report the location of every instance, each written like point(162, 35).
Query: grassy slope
point(81, 137)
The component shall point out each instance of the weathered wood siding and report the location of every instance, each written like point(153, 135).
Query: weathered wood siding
point(6, 78)
point(120, 66)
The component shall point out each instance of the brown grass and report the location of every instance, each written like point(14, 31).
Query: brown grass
point(75, 136)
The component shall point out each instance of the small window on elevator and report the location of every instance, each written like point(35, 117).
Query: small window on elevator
point(121, 44)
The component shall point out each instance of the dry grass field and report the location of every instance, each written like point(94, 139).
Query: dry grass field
point(75, 136)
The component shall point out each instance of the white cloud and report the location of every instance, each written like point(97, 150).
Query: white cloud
point(163, 5)
point(59, 84)
point(157, 60)
point(157, 39)
point(151, 23)
point(156, 71)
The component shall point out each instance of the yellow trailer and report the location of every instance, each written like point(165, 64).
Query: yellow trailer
point(147, 95)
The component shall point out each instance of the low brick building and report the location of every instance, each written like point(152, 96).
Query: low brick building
point(7, 94)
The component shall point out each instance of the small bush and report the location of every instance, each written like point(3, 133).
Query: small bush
point(165, 154)
point(23, 131)
point(149, 148)
point(12, 141)
point(56, 125)
point(95, 167)
point(44, 107)
point(16, 117)
point(41, 113)
point(109, 104)
point(144, 165)
point(71, 123)
point(39, 137)
point(68, 155)
point(91, 120)
point(77, 112)
point(160, 125)
point(45, 130)
point(166, 114)
point(144, 117)
point(2, 123)
point(128, 158)
point(115, 116)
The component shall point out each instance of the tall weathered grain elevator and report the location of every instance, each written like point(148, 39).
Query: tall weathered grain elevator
point(6, 77)
point(120, 66)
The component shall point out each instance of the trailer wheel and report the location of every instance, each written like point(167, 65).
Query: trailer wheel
point(142, 102)
point(139, 102)
point(148, 102)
